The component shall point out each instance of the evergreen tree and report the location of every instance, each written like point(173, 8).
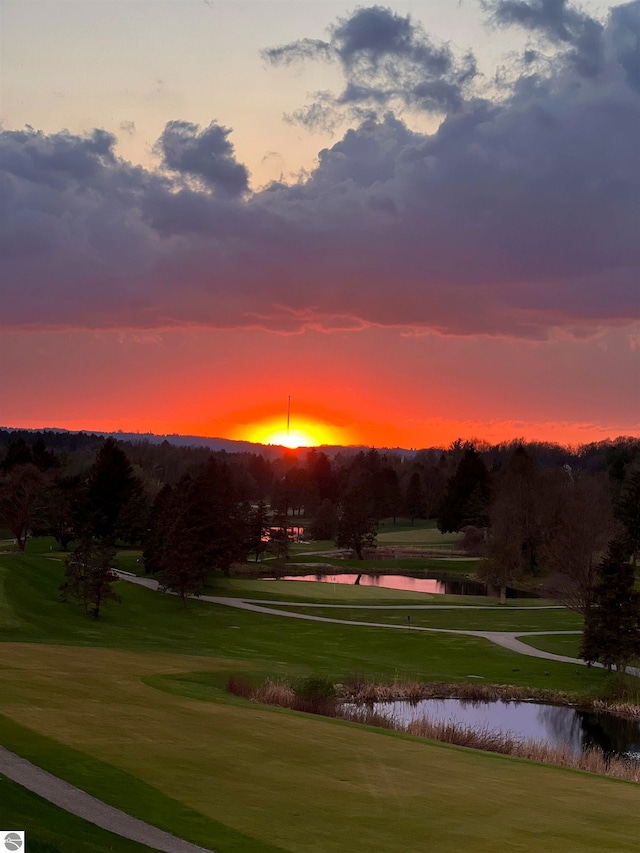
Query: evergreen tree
point(325, 522)
point(393, 493)
point(258, 530)
point(414, 500)
point(156, 536)
point(627, 511)
point(18, 453)
point(466, 500)
point(110, 486)
point(179, 549)
point(322, 475)
point(62, 509)
point(612, 621)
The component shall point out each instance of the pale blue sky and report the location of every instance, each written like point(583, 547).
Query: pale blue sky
point(79, 64)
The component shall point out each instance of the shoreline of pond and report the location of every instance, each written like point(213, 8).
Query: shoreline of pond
point(370, 692)
point(454, 583)
point(319, 696)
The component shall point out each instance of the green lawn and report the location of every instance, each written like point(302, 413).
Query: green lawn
point(557, 644)
point(153, 622)
point(495, 619)
point(50, 829)
point(132, 709)
point(241, 777)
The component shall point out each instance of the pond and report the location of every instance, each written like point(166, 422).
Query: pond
point(434, 585)
point(551, 724)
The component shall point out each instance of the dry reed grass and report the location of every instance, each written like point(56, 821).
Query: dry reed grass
point(629, 710)
point(412, 691)
point(593, 760)
point(359, 709)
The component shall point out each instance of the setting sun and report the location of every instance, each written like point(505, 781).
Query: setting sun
point(293, 438)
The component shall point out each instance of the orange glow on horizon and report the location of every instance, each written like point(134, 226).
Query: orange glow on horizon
point(294, 438)
point(308, 434)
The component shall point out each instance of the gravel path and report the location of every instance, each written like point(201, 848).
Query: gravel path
point(79, 803)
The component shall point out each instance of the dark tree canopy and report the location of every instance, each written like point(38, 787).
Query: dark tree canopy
point(22, 501)
point(578, 526)
point(466, 500)
point(612, 621)
point(357, 525)
point(627, 511)
point(110, 486)
point(325, 521)
point(414, 505)
point(88, 576)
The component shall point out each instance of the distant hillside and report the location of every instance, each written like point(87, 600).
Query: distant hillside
point(211, 443)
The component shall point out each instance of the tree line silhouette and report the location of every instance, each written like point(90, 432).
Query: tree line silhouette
point(535, 512)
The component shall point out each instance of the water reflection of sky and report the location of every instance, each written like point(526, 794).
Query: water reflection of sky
point(555, 725)
point(404, 582)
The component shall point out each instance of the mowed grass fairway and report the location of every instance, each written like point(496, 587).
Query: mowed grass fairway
point(112, 708)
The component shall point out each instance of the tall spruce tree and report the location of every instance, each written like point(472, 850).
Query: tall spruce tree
point(612, 621)
point(466, 500)
point(414, 500)
point(110, 486)
point(627, 511)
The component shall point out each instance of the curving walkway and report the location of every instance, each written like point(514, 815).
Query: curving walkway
point(83, 805)
point(79, 803)
point(506, 639)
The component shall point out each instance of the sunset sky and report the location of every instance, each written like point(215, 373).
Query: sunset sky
point(418, 220)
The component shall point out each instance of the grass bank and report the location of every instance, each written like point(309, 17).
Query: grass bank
point(116, 707)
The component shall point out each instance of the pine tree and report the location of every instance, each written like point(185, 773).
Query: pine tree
point(612, 621)
point(627, 510)
point(179, 551)
point(258, 529)
point(110, 486)
point(466, 500)
point(325, 521)
point(414, 501)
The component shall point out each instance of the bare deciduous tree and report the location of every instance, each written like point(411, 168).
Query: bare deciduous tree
point(579, 527)
point(21, 500)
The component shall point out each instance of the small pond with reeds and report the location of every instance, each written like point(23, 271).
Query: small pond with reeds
point(553, 725)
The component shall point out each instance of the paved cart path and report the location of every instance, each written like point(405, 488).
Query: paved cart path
point(79, 803)
point(506, 639)
point(107, 817)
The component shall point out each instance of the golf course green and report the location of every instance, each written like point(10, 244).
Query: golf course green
point(132, 709)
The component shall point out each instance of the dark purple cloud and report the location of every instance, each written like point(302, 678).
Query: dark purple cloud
point(206, 155)
point(386, 59)
point(517, 215)
point(559, 21)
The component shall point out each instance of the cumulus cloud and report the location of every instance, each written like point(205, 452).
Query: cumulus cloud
point(206, 155)
point(387, 60)
point(516, 216)
point(561, 23)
